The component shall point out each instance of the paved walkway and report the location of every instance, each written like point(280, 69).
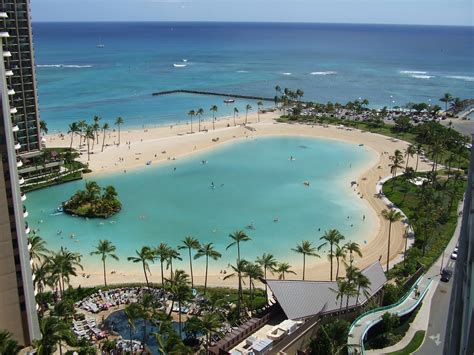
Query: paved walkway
point(367, 320)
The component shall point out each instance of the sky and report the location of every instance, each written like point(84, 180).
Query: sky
point(422, 12)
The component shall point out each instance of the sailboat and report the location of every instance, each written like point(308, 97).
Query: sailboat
point(100, 44)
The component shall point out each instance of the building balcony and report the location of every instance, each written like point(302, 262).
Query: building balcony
point(3, 15)
point(19, 163)
point(13, 110)
point(27, 228)
point(21, 181)
point(15, 128)
point(17, 146)
point(23, 197)
point(25, 212)
point(9, 73)
point(4, 34)
point(11, 92)
point(7, 54)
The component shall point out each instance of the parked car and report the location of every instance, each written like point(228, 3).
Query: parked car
point(454, 254)
point(446, 275)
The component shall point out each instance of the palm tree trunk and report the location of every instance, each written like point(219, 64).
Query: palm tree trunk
point(72, 137)
point(240, 294)
point(191, 267)
point(131, 343)
point(337, 268)
point(179, 319)
point(304, 264)
point(251, 296)
point(88, 150)
point(417, 158)
point(103, 141)
point(388, 247)
point(213, 122)
point(171, 308)
point(330, 257)
point(358, 293)
point(60, 348)
point(266, 290)
point(238, 252)
point(205, 279)
point(191, 124)
point(146, 277)
point(119, 134)
point(234, 120)
point(105, 277)
point(199, 119)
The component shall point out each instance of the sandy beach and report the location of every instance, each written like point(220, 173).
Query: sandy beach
point(161, 144)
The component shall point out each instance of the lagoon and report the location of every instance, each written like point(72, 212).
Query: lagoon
point(208, 195)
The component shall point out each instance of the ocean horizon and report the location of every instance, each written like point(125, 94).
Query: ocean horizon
point(389, 65)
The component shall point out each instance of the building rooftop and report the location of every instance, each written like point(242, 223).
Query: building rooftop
point(302, 299)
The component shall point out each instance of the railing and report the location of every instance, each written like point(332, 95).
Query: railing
point(381, 309)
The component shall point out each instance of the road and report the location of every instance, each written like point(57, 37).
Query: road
point(434, 339)
point(435, 334)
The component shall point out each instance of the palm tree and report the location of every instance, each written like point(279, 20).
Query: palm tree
point(53, 332)
point(267, 262)
point(96, 126)
point(340, 253)
point(89, 134)
point(144, 256)
point(213, 109)
point(236, 111)
point(282, 269)
point(409, 152)
point(363, 284)
point(179, 287)
point(253, 271)
point(191, 114)
point(259, 104)
point(238, 237)
point(105, 248)
point(247, 109)
point(65, 264)
point(73, 129)
point(210, 323)
point(418, 152)
point(81, 125)
point(199, 113)
point(172, 254)
point(352, 247)
point(305, 248)
point(397, 161)
point(208, 251)
point(7, 344)
point(190, 243)
point(118, 122)
point(162, 253)
point(331, 237)
point(42, 276)
point(37, 247)
point(133, 312)
point(277, 90)
point(447, 98)
point(105, 127)
point(239, 270)
point(391, 216)
point(341, 291)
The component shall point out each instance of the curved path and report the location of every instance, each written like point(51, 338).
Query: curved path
point(364, 322)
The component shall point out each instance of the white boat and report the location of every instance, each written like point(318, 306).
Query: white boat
point(179, 65)
point(229, 101)
point(185, 60)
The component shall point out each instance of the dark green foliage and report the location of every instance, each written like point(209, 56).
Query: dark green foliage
point(92, 203)
point(7, 344)
point(330, 338)
point(391, 294)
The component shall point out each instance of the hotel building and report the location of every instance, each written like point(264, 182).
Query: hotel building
point(20, 141)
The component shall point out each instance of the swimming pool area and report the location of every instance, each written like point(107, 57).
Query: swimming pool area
point(280, 190)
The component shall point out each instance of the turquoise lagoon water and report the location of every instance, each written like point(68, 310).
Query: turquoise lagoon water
point(255, 182)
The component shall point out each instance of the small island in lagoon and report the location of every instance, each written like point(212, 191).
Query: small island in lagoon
point(91, 203)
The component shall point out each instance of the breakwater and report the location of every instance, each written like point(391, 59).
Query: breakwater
point(211, 93)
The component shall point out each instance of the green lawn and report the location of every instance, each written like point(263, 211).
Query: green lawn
point(413, 345)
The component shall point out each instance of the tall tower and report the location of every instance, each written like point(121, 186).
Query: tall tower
point(19, 141)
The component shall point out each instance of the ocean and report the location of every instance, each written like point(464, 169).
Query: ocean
point(388, 65)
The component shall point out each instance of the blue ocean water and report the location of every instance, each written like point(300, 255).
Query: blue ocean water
point(329, 62)
point(254, 183)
